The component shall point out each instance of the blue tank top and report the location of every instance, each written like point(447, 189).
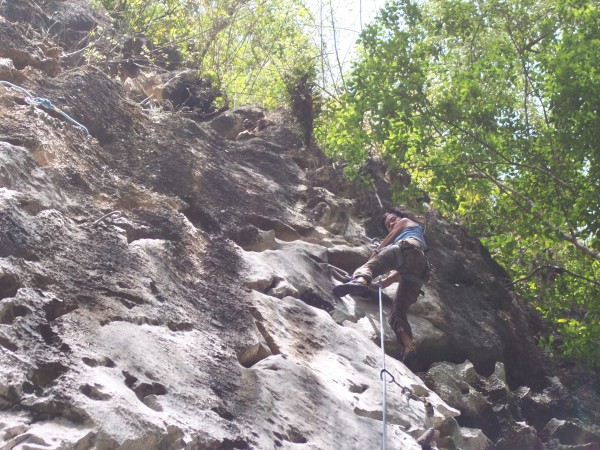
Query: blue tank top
point(414, 232)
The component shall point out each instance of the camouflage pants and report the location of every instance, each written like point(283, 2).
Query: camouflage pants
point(411, 262)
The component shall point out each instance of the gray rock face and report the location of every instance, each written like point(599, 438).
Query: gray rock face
point(163, 285)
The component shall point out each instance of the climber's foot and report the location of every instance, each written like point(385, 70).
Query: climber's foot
point(409, 356)
point(357, 286)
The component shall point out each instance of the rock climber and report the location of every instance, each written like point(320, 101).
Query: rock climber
point(402, 253)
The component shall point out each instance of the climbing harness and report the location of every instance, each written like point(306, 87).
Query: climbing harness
point(44, 103)
point(384, 372)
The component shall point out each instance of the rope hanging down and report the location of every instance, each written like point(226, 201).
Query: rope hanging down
point(44, 103)
point(383, 372)
point(406, 391)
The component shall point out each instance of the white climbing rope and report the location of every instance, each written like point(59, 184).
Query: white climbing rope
point(429, 410)
point(383, 373)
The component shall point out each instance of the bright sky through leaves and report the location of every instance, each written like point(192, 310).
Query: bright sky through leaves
point(349, 17)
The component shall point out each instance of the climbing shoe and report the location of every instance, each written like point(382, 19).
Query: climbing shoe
point(352, 287)
point(409, 357)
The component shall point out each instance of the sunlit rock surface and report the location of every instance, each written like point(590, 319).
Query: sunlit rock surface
point(164, 284)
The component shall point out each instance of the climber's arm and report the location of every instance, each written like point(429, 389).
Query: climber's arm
point(399, 227)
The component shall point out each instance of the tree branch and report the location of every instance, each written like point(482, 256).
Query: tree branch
point(567, 237)
point(495, 151)
point(534, 41)
point(555, 270)
point(335, 45)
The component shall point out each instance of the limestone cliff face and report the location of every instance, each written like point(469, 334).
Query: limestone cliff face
point(166, 285)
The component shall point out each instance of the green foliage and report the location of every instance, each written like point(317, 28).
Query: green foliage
point(493, 108)
point(247, 45)
point(304, 100)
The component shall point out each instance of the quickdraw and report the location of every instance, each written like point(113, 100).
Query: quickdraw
point(410, 395)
